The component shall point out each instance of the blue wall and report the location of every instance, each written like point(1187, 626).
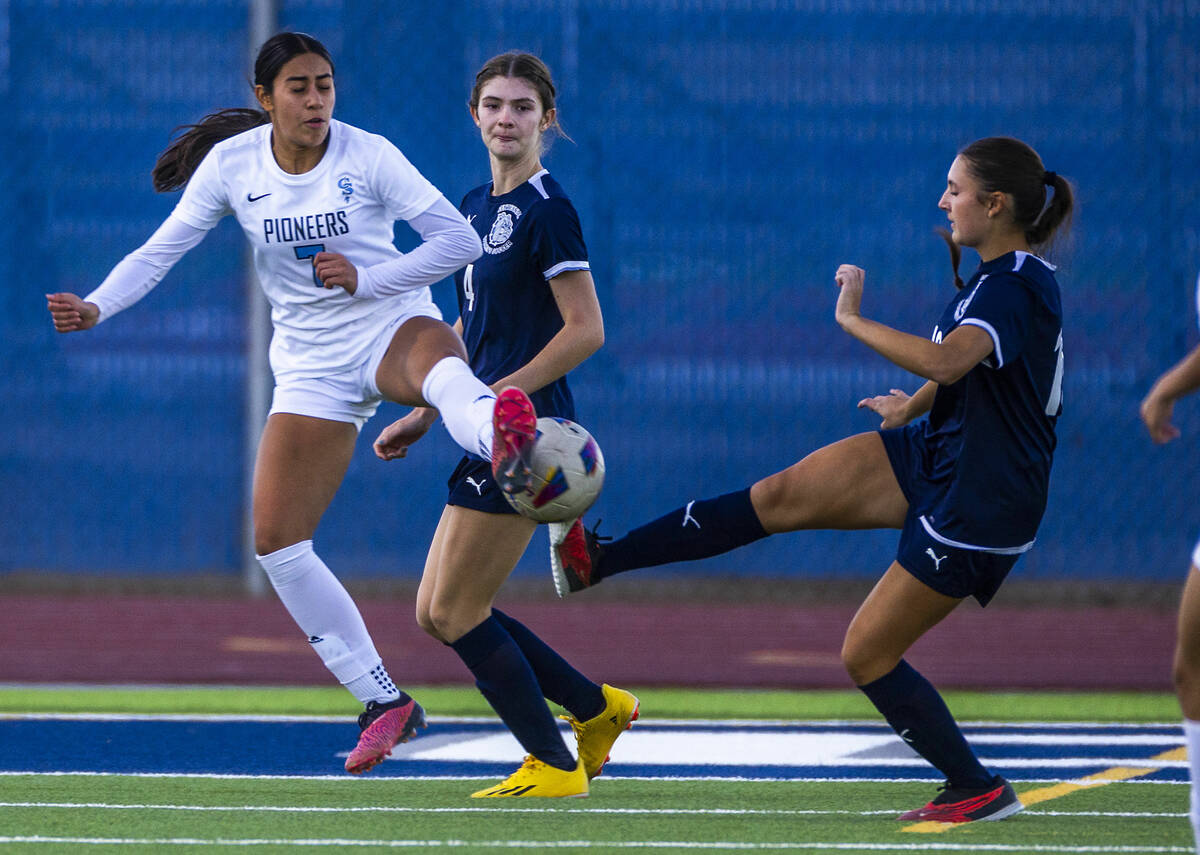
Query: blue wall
point(726, 157)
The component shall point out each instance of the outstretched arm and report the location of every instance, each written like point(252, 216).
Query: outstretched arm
point(133, 278)
point(943, 363)
point(1159, 404)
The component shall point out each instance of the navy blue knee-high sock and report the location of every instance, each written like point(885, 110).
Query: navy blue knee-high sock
point(699, 529)
point(915, 710)
point(559, 680)
point(504, 677)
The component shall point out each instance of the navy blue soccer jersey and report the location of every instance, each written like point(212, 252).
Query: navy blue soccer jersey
point(530, 235)
point(990, 436)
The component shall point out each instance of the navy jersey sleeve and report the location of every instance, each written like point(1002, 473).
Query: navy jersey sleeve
point(1003, 307)
point(556, 244)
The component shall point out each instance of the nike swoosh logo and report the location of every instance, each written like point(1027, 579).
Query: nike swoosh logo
point(250, 198)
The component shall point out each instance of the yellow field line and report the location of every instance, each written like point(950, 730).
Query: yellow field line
point(1043, 794)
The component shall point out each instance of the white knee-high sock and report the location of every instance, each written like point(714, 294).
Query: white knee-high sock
point(325, 613)
point(1191, 730)
point(465, 403)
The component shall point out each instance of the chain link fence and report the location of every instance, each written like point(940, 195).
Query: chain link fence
point(725, 158)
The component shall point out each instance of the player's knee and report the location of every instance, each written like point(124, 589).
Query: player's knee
point(450, 619)
point(442, 621)
point(425, 621)
point(779, 507)
point(268, 539)
point(863, 663)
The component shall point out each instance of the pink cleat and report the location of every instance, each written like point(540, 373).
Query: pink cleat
point(515, 424)
point(383, 727)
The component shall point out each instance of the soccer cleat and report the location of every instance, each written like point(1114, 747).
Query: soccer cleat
point(595, 737)
point(969, 804)
point(574, 551)
point(536, 778)
point(514, 423)
point(383, 727)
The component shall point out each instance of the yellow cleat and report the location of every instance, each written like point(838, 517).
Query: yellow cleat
point(535, 778)
point(595, 737)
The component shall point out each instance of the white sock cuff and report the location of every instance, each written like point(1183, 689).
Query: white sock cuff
point(290, 563)
point(465, 403)
point(443, 372)
point(288, 553)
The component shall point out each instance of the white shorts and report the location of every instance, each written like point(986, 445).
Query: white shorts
point(1196, 555)
point(351, 396)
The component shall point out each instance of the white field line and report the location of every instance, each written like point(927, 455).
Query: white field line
point(527, 845)
point(533, 810)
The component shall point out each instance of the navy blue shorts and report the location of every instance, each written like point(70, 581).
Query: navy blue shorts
point(950, 570)
point(472, 486)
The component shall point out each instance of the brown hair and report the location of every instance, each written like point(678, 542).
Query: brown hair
point(175, 166)
point(1007, 165)
point(527, 67)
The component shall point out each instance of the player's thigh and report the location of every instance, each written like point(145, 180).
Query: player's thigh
point(1187, 646)
point(300, 465)
point(846, 485)
point(418, 344)
point(898, 611)
point(475, 553)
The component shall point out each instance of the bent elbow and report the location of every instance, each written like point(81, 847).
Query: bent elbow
point(947, 375)
point(472, 246)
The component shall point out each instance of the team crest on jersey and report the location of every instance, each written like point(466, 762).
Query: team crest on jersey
point(346, 187)
point(499, 237)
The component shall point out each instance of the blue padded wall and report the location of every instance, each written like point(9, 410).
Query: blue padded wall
point(726, 157)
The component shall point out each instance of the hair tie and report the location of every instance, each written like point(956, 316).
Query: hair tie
point(1049, 178)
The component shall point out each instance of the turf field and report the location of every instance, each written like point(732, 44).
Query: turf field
point(222, 770)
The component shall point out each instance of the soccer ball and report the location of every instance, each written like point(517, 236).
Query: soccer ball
point(567, 469)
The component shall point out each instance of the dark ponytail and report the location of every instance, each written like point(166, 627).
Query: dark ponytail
point(1007, 165)
point(1056, 214)
point(1010, 166)
point(175, 166)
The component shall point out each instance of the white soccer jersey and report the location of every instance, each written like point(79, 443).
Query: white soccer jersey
point(347, 204)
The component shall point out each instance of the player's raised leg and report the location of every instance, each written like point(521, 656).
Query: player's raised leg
point(846, 485)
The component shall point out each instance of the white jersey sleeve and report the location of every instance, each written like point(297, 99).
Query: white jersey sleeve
point(137, 274)
point(205, 199)
point(448, 244)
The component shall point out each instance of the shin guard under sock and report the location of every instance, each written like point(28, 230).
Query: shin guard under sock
point(699, 529)
point(559, 680)
point(507, 682)
point(915, 710)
